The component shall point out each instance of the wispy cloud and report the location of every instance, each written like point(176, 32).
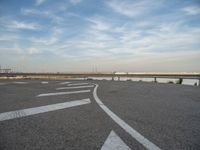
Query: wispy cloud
point(163, 38)
point(9, 37)
point(192, 10)
point(53, 38)
point(13, 48)
point(134, 40)
point(20, 50)
point(23, 25)
point(113, 34)
point(132, 8)
point(33, 50)
point(99, 24)
point(75, 1)
point(39, 2)
point(48, 14)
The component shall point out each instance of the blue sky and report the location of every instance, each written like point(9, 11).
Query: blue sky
point(110, 35)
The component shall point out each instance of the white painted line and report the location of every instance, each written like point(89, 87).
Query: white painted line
point(41, 109)
point(44, 82)
point(63, 93)
point(75, 87)
point(140, 138)
point(20, 82)
point(77, 84)
point(114, 142)
point(64, 83)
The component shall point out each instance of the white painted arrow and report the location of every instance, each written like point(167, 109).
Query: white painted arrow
point(62, 93)
point(42, 109)
point(77, 84)
point(75, 87)
point(44, 82)
point(17, 82)
point(114, 142)
point(64, 83)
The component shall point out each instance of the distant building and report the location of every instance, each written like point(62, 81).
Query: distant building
point(5, 70)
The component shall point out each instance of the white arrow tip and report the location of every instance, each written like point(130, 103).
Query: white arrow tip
point(114, 142)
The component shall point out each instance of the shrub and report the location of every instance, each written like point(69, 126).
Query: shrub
point(89, 79)
point(171, 82)
point(179, 81)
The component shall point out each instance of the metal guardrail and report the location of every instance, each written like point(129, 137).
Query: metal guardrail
point(112, 75)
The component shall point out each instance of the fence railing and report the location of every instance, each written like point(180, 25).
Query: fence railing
point(112, 75)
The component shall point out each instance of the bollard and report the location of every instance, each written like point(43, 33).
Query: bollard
point(155, 79)
point(118, 78)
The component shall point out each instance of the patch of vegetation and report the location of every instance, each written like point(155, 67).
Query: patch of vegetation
point(170, 82)
point(179, 81)
point(128, 80)
point(89, 79)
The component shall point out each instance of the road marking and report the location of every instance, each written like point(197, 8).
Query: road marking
point(42, 109)
point(64, 83)
point(114, 142)
point(75, 87)
point(62, 93)
point(140, 138)
point(20, 82)
point(44, 82)
point(77, 84)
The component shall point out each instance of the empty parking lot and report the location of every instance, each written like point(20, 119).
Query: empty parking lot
point(55, 114)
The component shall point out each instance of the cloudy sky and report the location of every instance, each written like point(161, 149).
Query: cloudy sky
point(110, 35)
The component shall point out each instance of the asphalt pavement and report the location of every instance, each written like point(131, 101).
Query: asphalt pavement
point(98, 115)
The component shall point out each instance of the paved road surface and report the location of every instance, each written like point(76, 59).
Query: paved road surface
point(102, 115)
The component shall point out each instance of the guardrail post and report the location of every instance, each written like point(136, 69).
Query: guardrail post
point(118, 78)
point(199, 82)
point(113, 76)
point(155, 79)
